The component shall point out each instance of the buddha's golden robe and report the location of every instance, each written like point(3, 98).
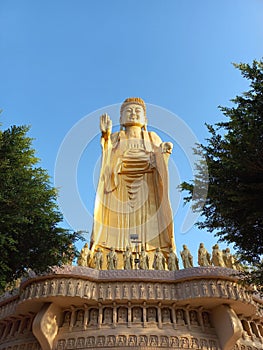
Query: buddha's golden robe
point(132, 195)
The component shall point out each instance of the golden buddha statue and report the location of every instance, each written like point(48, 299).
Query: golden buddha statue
point(132, 195)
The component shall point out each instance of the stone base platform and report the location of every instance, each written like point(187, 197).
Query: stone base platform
point(81, 308)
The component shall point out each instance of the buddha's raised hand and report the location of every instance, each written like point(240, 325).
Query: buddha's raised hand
point(105, 124)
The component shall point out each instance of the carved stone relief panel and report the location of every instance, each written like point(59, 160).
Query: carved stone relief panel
point(107, 316)
point(136, 314)
point(140, 340)
point(93, 317)
point(166, 315)
point(180, 317)
point(193, 318)
point(151, 314)
point(122, 315)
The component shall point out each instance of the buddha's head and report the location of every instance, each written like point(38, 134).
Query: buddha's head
point(133, 112)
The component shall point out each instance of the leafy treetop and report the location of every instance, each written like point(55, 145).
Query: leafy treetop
point(30, 237)
point(233, 208)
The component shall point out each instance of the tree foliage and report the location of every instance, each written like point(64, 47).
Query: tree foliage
point(234, 154)
point(30, 237)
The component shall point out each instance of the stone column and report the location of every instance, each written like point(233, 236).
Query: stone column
point(173, 316)
point(200, 318)
point(49, 317)
point(6, 330)
point(100, 316)
point(129, 314)
point(31, 319)
point(86, 314)
point(144, 314)
point(20, 328)
point(187, 317)
point(249, 330)
point(114, 316)
point(257, 331)
point(72, 318)
point(160, 324)
point(12, 327)
point(2, 328)
point(228, 326)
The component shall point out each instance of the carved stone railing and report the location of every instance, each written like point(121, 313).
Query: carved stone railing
point(90, 284)
point(80, 290)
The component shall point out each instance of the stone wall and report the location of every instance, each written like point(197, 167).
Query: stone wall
point(82, 308)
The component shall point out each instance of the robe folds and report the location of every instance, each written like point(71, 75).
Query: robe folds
point(132, 195)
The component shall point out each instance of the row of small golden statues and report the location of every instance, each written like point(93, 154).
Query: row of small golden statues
point(142, 261)
point(133, 195)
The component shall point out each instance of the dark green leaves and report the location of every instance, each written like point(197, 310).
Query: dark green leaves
point(30, 237)
point(234, 154)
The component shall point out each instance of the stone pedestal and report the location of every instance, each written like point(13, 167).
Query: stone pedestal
point(81, 308)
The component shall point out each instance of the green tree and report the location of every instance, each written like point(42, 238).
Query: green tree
point(30, 237)
point(233, 209)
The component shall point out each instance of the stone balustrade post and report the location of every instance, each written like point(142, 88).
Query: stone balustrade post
point(86, 315)
point(129, 314)
point(187, 317)
point(114, 316)
point(72, 317)
point(144, 314)
point(160, 324)
point(100, 316)
point(174, 316)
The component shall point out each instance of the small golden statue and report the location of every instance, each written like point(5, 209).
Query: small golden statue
point(127, 259)
point(112, 259)
point(84, 257)
point(143, 260)
point(98, 259)
point(172, 261)
point(203, 256)
point(158, 260)
point(217, 256)
point(187, 257)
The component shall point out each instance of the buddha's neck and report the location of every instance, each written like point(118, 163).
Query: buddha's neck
point(133, 131)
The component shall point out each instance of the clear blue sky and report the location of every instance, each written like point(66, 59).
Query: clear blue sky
point(62, 60)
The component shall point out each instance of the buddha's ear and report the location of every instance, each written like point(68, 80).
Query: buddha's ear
point(121, 125)
point(145, 123)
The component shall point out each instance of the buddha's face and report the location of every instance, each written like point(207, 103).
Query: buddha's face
point(133, 115)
